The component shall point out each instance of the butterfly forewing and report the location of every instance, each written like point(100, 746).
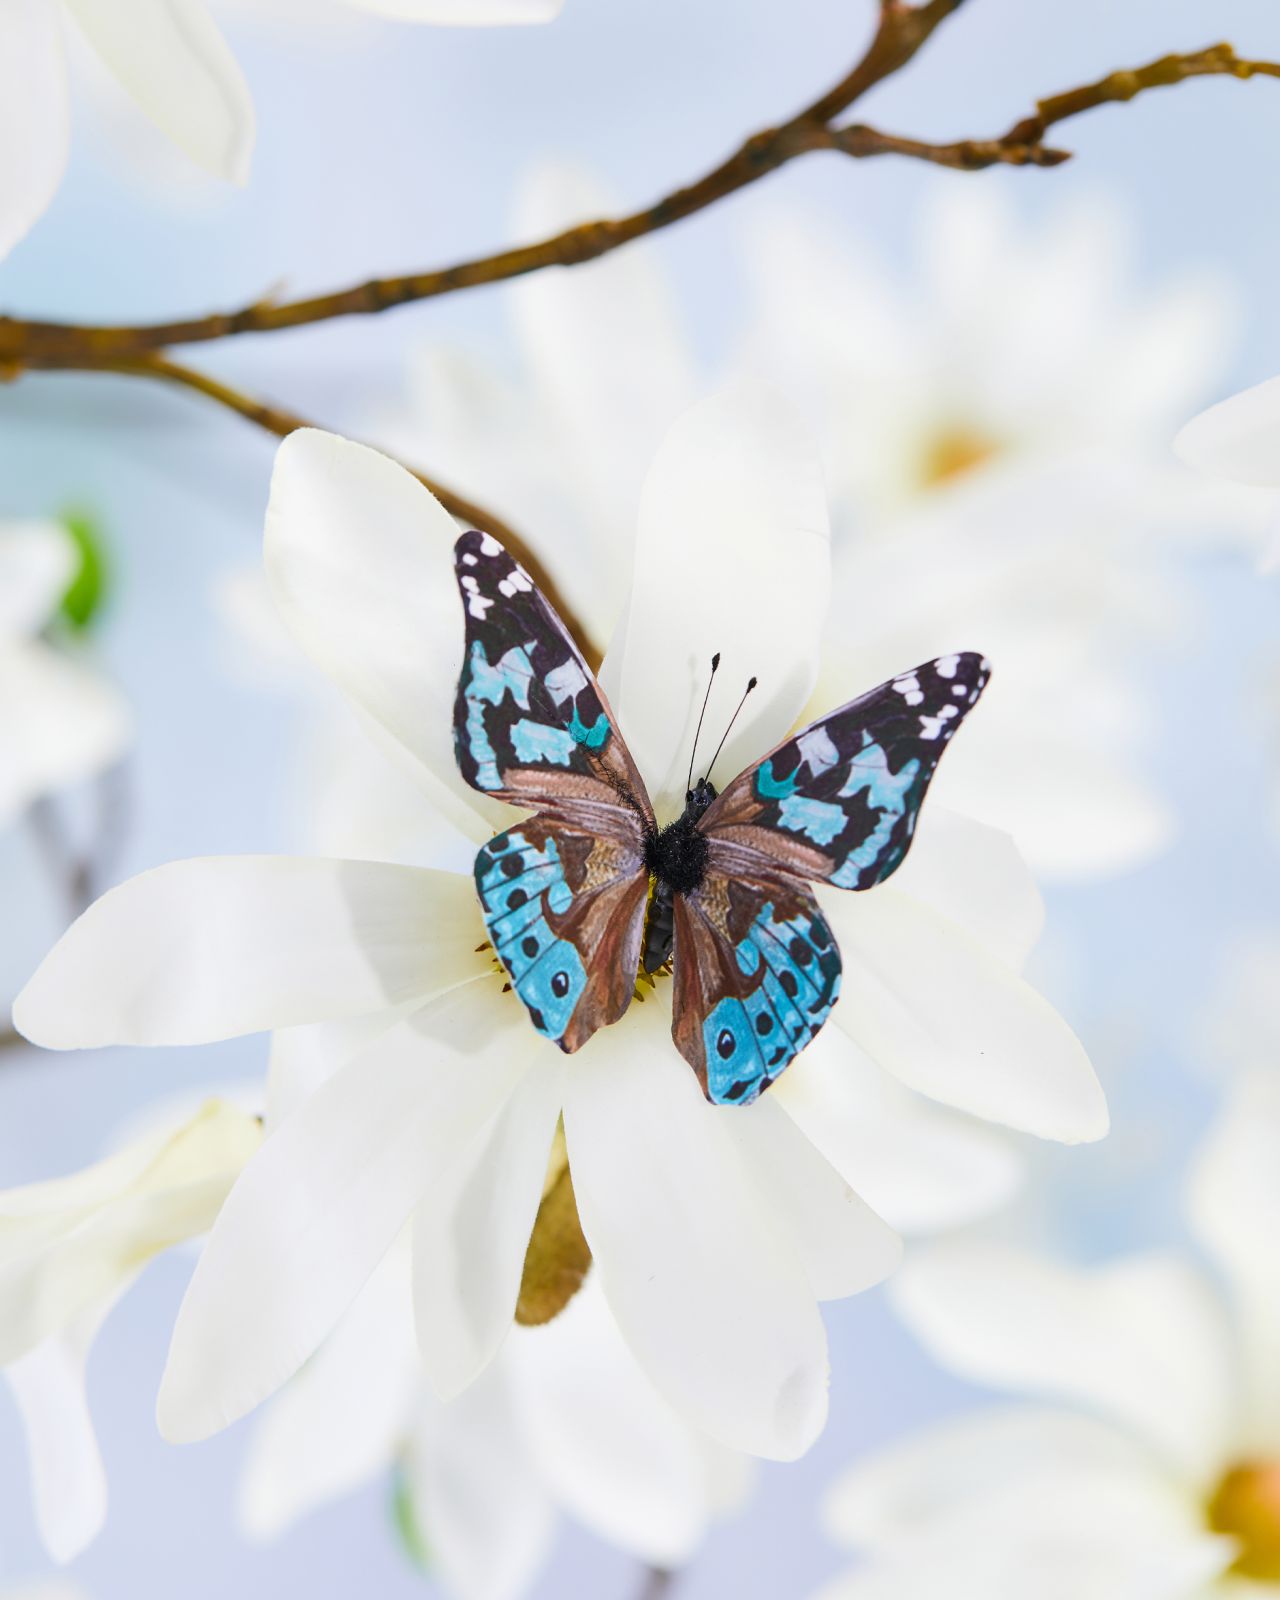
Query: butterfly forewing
point(563, 894)
point(757, 970)
point(530, 723)
point(838, 801)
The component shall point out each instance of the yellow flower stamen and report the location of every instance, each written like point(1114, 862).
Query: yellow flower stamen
point(1246, 1505)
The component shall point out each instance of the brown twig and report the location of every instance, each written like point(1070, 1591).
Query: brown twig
point(278, 421)
point(657, 1583)
point(901, 30)
point(1023, 145)
point(11, 1039)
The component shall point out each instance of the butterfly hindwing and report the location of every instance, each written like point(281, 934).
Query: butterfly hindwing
point(531, 724)
point(838, 801)
point(757, 971)
point(565, 912)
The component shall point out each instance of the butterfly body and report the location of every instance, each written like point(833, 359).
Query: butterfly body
point(565, 894)
point(676, 857)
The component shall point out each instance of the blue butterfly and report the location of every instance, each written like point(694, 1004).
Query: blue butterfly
point(566, 894)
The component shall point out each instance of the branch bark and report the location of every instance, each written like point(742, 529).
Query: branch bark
point(902, 29)
point(1023, 145)
point(281, 422)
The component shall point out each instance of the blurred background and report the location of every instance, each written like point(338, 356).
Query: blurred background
point(1019, 330)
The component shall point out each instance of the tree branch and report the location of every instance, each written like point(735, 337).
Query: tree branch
point(1023, 145)
point(902, 29)
point(276, 420)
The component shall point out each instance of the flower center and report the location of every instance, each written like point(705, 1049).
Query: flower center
point(952, 451)
point(1246, 1505)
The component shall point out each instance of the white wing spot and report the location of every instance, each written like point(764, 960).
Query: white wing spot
point(817, 751)
point(947, 665)
point(489, 546)
point(469, 559)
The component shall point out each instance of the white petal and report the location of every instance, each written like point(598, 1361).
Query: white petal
point(35, 120)
point(732, 556)
point(1238, 438)
point(464, 13)
point(974, 875)
point(579, 1392)
point(929, 1004)
point(69, 1482)
point(68, 1245)
point(477, 1497)
point(318, 1208)
point(176, 65)
point(609, 367)
point(917, 1165)
point(222, 945)
point(1234, 1205)
point(708, 1293)
point(844, 1245)
point(60, 722)
point(1003, 1505)
point(471, 1232)
point(340, 1422)
point(359, 560)
point(303, 1058)
point(1141, 1341)
point(37, 559)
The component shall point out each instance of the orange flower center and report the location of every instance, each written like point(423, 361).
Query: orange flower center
point(1246, 1505)
point(951, 452)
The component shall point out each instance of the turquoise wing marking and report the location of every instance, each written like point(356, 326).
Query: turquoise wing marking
point(790, 968)
point(518, 881)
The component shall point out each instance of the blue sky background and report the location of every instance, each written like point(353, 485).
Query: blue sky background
point(385, 149)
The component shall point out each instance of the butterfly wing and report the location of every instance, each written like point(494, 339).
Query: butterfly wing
point(838, 801)
point(757, 971)
point(563, 894)
point(530, 723)
point(565, 911)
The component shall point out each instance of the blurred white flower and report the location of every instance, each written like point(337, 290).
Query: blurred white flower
point(1149, 1468)
point(1239, 440)
point(59, 721)
point(995, 434)
point(714, 1233)
point(69, 1248)
point(997, 463)
point(166, 54)
point(174, 64)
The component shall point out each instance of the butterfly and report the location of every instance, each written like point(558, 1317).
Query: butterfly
point(574, 896)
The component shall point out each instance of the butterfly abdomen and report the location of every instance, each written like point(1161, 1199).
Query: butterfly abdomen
point(677, 857)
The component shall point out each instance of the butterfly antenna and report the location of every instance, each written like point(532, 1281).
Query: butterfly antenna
point(751, 683)
point(715, 665)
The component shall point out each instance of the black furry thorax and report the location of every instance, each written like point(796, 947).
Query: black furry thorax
point(677, 854)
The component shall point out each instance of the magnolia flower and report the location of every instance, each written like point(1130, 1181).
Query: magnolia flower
point(69, 1248)
point(1148, 1467)
point(714, 1233)
point(1239, 440)
point(996, 448)
point(172, 61)
point(562, 1420)
point(59, 722)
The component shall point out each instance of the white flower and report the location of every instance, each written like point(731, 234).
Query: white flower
point(172, 61)
point(59, 722)
point(996, 444)
point(562, 1420)
point(714, 1232)
point(1149, 1466)
point(69, 1248)
point(1239, 440)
